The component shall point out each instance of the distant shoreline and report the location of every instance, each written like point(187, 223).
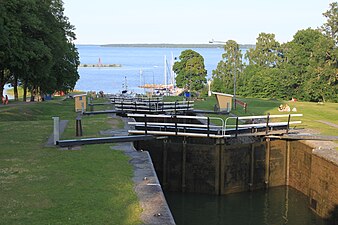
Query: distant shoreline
point(164, 45)
point(99, 65)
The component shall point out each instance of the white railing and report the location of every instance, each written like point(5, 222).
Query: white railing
point(178, 127)
point(265, 124)
point(207, 124)
point(130, 106)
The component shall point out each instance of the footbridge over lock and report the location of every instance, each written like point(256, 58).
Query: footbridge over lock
point(212, 155)
point(211, 127)
point(215, 155)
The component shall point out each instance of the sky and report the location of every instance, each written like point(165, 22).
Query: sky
point(190, 21)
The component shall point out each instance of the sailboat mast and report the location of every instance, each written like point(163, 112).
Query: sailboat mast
point(172, 70)
point(165, 71)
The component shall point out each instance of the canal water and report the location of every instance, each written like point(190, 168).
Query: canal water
point(279, 205)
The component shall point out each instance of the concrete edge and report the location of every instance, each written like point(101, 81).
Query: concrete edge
point(324, 149)
point(147, 187)
point(63, 125)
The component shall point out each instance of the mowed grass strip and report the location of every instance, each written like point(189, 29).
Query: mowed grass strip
point(40, 185)
point(316, 116)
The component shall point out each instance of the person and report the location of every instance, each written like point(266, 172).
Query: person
point(281, 108)
point(3, 99)
point(6, 100)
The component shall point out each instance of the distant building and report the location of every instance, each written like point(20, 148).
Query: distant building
point(224, 101)
point(80, 102)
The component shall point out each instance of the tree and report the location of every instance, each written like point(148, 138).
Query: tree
point(229, 69)
point(267, 52)
point(330, 28)
point(312, 64)
point(265, 75)
point(63, 73)
point(190, 70)
point(36, 46)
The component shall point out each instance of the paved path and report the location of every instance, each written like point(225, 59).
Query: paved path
point(328, 123)
point(147, 187)
point(15, 104)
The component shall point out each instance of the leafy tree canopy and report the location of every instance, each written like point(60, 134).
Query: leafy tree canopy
point(330, 28)
point(190, 70)
point(36, 47)
point(228, 69)
point(267, 52)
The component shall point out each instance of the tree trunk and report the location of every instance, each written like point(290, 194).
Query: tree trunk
point(25, 91)
point(32, 94)
point(1, 90)
point(15, 84)
point(2, 83)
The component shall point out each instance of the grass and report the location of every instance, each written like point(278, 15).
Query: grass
point(314, 114)
point(41, 185)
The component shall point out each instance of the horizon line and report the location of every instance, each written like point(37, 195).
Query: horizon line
point(138, 43)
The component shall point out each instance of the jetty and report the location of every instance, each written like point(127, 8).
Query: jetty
point(100, 65)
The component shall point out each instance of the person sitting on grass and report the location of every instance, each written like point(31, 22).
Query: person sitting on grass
point(283, 108)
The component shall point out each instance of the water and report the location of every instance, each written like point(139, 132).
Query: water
point(132, 59)
point(280, 205)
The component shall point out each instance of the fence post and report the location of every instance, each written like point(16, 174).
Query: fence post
point(145, 124)
point(175, 118)
point(175, 106)
point(288, 125)
point(56, 129)
point(236, 127)
point(267, 123)
point(78, 127)
point(208, 127)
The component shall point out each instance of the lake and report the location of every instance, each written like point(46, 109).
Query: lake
point(139, 66)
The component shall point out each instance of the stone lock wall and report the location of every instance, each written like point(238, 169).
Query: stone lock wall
point(218, 166)
point(315, 173)
point(214, 166)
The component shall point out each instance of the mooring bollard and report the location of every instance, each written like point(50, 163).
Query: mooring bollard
point(78, 127)
point(56, 129)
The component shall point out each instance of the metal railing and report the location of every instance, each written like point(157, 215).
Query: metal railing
point(154, 107)
point(267, 123)
point(173, 126)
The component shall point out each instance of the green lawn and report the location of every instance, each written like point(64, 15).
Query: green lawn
point(314, 114)
point(41, 185)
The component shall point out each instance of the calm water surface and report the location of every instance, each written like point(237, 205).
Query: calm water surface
point(133, 60)
point(276, 206)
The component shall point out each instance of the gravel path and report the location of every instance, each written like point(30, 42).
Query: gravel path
point(328, 123)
